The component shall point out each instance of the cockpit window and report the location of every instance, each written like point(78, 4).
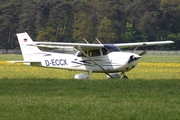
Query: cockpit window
point(110, 48)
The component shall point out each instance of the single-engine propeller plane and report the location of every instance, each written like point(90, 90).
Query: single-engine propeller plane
point(101, 58)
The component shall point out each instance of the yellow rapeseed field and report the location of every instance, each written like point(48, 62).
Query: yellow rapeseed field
point(10, 70)
point(144, 70)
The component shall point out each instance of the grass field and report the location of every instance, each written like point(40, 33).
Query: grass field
point(149, 67)
point(152, 92)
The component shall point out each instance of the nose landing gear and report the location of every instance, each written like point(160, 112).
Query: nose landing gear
point(124, 76)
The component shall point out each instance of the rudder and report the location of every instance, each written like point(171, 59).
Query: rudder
point(27, 48)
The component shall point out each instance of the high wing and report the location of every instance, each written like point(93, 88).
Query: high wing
point(126, 45)
point(61, 45)
point(85, 46)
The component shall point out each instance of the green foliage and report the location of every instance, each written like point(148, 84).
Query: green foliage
point(175, 38)
point(83, 27)
point(170, 16)
point(105, 31)
point(72, 20)
point(129, 34)
point(61, 18)
point(47, 34)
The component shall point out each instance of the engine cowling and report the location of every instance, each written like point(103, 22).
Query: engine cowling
point(114, 75)
point(81, 76)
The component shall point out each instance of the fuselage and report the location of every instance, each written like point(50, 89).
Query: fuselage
point(112, 62)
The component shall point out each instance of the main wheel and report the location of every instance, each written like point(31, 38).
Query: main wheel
point(81, 76)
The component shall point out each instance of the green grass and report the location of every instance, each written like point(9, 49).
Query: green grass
point(160, 58)
point(30, 93)
point(10, 57)
point(107, 99)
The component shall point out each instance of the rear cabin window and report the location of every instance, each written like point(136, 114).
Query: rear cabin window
point(94, 53)
point(90, 53)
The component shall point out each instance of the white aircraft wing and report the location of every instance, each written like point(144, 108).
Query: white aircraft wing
point(61, 45)
point(126, 45)
point(85, 46)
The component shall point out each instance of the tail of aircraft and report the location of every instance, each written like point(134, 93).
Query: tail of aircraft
point(27, 48)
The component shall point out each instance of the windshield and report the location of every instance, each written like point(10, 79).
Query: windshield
point(112, 48)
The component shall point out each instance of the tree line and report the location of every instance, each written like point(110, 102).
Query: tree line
point(115, 21)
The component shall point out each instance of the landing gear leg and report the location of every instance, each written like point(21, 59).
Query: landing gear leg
point(89, 72)
point(124, 76)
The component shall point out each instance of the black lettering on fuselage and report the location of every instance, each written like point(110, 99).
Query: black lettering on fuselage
point(56, 62)
point(47, 62)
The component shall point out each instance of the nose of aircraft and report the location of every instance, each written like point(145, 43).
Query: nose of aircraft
point(137, 56)
point(133, 57)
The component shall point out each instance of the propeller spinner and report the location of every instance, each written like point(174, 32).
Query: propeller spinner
point(133, 58)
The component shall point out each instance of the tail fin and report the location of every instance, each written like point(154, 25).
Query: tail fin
point(27, 50)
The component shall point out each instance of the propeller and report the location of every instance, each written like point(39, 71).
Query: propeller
point(142, 53)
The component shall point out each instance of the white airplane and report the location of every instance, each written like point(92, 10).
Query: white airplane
point(101, 58)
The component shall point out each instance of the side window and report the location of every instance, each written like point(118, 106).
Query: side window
point(94, 53)
point(91, 53)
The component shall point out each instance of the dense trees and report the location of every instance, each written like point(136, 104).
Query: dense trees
point(72, 20)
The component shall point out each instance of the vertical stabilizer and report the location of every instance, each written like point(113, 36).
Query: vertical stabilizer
point(27, 48)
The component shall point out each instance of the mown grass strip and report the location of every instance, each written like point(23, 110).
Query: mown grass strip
point(70, 99)
point(37, 93)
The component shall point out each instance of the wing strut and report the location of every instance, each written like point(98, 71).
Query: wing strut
point(85, 40)
point(94, 62)
point(135, 49)
point(98, 41)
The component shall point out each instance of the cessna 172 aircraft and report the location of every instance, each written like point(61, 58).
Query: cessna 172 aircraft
point(101, 58)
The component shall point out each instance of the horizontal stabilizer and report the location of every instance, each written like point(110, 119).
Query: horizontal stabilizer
point(32, 63)
point(24, 61)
